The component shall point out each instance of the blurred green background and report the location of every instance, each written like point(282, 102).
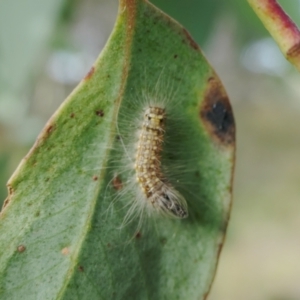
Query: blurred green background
point(47, 46)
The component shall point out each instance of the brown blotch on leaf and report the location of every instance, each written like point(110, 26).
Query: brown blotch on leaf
point(21, 248)
point(80, 268)
point(72, 115)
point(5, 203)
point(189, 38)
point(216, 113)
point(138, 235)
point(175, 56)
point(10, 190)
point(100, 113)
point(95, 178)
point(49, 129)
point(117, 183)
point(90, 73)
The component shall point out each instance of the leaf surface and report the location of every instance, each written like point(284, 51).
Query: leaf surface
point(62, 231)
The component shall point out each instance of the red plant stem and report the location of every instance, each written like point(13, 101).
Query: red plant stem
point(281, 27)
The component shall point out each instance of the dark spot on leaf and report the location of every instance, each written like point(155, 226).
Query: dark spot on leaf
point(108, 245)
point(192, 43)
point(117, 183)
point(220, 117)
point(49, 129)
point(100, 113)
point(5, 203)
point(90, 73)
point(197, 174)
point(175, 56)
point(80, 268)
point(72, 115)
point(47, 179)
point(138, 235)
point(95, 178)
point(216, 113)
point(21, 248)
point(37, 214)
point(10, 190)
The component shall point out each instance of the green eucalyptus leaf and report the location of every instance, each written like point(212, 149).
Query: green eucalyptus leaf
point(62, 229)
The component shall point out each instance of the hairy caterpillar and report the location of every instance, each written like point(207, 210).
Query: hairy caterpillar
point(148, 169)
point(149, 175)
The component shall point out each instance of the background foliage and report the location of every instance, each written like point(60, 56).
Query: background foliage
point(47, 46)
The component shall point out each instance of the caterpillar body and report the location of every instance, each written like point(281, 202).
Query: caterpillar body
point(149, 163)
point(149, 175)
